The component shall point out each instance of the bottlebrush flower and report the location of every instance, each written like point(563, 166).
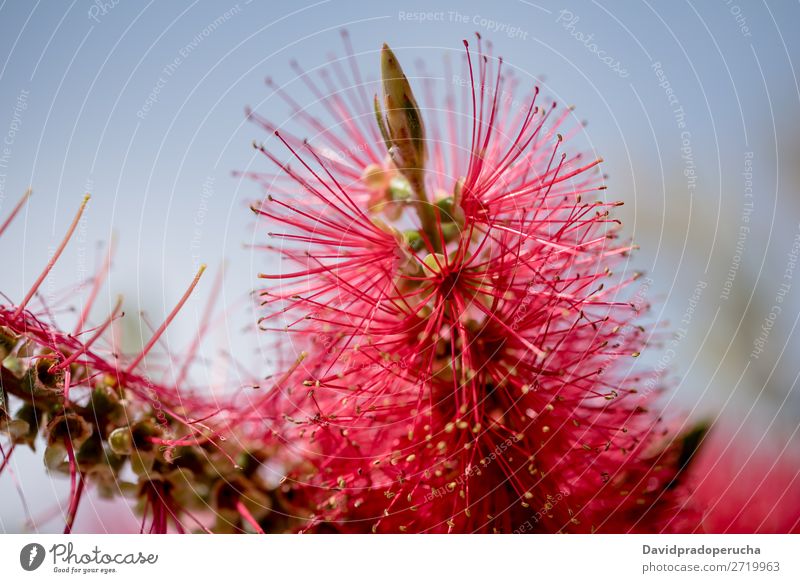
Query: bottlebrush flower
point(121, 431)
point(462, 341)
point(746, 483)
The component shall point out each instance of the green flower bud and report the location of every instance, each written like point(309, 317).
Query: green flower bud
point(121, 441)
point(91, 453)
point(414, 240)
point(434, 262)
point(401, 122)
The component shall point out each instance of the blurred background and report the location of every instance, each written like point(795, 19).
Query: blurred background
point(694, 106)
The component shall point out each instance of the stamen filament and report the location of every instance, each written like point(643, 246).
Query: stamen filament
point(53, 259)
point(157, 334)
point(16, 210)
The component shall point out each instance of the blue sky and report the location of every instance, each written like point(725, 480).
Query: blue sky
point(142, 104)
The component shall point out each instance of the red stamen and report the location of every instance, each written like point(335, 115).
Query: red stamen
point(157, 334)
point(53, 259)
point(20, 203)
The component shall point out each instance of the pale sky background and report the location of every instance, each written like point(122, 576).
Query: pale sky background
point(74, 85)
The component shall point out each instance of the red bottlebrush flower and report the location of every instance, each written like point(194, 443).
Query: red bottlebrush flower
point(746, 483)
point(463, 339)
point(104, 422)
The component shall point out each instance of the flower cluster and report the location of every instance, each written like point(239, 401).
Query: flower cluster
point(105, 422)
point(456, 327)
point(463, 339)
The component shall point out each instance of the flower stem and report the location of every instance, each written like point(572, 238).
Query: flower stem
point(427, 217)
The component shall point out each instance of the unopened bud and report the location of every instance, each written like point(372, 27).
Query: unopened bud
point(434, 262)
point(401, 122)
point(121, 441)
point(414, 240)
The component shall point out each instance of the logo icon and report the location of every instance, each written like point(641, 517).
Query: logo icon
point(31, 556)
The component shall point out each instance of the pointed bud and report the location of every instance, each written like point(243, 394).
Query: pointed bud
point(401, 121)
point(403, 131)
